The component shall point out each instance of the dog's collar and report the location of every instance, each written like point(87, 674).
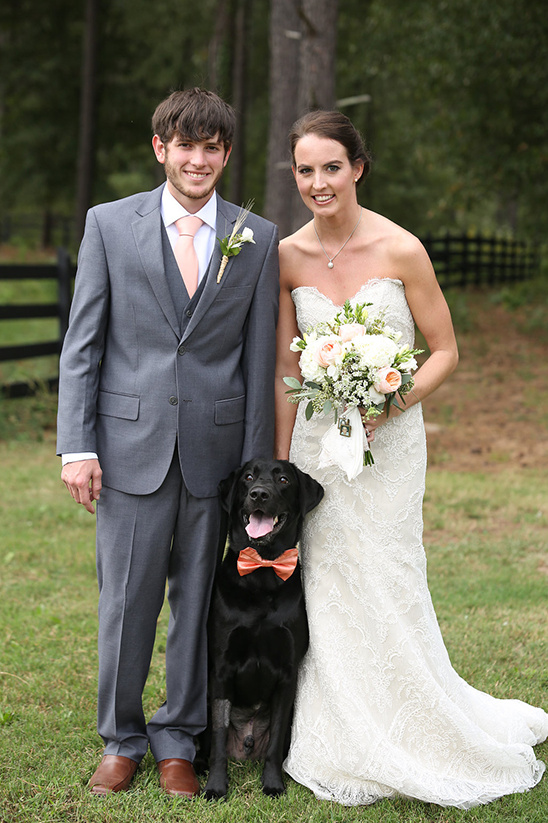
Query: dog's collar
point(284, 565)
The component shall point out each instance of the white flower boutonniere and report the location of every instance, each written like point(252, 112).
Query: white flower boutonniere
point(232, 245)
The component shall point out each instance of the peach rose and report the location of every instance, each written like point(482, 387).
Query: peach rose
point(348, 331)
point(388, 380)
point(328, 350)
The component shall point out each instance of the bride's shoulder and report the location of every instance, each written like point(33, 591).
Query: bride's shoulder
point(296, 252)
point(402, 250)
point(298, 243)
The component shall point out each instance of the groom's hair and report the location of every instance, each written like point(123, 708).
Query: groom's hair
point(196, 114)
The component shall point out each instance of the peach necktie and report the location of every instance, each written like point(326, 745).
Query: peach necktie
point(185, 253)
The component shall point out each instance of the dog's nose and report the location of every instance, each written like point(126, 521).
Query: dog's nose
point(259, 494)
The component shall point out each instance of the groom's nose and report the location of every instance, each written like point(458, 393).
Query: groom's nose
point(198, 156)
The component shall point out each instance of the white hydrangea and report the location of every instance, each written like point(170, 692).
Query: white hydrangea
point(375, 350)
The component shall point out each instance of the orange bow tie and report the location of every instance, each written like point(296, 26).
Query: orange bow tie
point(284, 565)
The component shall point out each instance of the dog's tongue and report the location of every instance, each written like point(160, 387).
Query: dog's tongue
point(259, 524)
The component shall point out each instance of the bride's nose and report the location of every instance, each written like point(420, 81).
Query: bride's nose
point(319, 182)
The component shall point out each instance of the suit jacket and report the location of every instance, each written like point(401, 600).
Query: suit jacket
point(134, 380)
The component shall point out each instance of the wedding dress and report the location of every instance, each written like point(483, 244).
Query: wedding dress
point(380, 711)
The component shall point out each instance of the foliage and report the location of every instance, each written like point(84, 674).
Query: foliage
point(457, 117)
point(459, 110)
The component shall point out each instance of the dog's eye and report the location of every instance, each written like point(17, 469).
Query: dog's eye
point(248, 477)
point(284, 479)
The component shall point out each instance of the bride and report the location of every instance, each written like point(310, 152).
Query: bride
point(380, 711)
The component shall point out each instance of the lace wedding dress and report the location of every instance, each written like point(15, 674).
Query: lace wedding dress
point(380, 711)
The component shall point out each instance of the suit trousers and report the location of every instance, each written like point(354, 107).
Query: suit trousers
point(142, 542)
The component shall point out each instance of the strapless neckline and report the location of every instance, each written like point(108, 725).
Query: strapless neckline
point(373, 281)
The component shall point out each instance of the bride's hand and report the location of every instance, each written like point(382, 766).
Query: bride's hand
point(369, 424)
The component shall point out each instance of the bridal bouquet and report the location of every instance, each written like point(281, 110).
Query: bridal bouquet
point(351, 362)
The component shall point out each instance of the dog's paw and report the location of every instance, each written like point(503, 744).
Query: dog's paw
point(215, 791)
point(273, 784)
point(273, 791)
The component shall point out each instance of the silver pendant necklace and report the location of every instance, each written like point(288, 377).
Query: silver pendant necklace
point(330, 263)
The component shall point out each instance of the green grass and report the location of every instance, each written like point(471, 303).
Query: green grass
point(486, 538)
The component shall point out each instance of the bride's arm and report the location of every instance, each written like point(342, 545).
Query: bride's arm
point(431, 314)
point(287, 365)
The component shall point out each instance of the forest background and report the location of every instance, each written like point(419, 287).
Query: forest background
point(451, 96)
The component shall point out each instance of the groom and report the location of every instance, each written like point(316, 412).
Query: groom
point(166, 386)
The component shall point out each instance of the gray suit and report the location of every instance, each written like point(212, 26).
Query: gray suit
point(172, 395)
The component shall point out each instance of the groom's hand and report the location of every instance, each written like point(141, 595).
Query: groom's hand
point(83, 480)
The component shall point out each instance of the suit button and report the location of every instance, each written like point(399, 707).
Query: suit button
point(181, 350)
point(188, 313)
point(173, 400)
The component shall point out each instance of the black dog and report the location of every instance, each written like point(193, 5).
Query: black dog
point(258, 631)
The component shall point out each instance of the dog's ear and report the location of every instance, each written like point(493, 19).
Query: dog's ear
point(311, 491)
point(227, 489)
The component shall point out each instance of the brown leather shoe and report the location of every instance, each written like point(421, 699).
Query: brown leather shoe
point(178, 778)
point(113, 775)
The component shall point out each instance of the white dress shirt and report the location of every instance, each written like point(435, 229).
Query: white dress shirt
point(204, 243)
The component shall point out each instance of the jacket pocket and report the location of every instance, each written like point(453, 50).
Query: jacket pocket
point(230, 411)
point(234, 293)
point(114, 404)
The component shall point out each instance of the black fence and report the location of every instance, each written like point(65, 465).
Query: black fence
point(459, 261)
point(62, 272)
point(481, 261)
point(48, 230)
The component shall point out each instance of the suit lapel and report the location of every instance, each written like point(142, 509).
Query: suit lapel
point(147, 231)
point(226, 217)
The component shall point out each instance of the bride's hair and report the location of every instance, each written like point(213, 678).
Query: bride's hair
point(335, 126)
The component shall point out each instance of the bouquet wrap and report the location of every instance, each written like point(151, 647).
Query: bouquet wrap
point(345, 452)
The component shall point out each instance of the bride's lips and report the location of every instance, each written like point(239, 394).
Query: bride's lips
point(323, 198)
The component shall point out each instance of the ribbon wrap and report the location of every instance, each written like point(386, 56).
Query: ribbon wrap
point(346, 452)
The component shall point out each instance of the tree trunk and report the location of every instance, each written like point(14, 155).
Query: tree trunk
point(239, 87)
point(316, 73)
point(285, 42)
point(215, 42)
point(86, 142)
point(317, 65)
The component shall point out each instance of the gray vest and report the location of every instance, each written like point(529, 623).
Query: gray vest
point(184, 306)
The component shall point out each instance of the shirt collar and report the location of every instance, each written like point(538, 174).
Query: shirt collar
point(172, 210)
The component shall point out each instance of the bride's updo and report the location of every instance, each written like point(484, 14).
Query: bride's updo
point(334, 126)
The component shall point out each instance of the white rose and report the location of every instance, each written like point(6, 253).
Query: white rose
point(375, 396)
point(247, 235)
point(310, 368)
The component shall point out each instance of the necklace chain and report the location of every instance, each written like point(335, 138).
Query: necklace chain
point(330, 263)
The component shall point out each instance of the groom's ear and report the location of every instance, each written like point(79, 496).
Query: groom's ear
point(227, 155)
point(159, 149)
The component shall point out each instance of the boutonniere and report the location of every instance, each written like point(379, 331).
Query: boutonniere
point(232, 245)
